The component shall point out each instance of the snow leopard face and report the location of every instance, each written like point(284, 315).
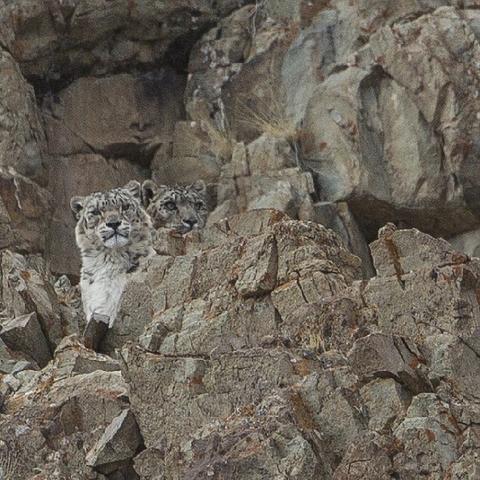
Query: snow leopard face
point(179, 208)
point(111, 220)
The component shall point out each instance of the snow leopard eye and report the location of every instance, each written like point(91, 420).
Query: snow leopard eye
point(199, 205)
point(171, 205)
point(95, 212)
point(126, 207)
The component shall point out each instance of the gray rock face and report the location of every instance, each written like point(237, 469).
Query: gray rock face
point(54, 415)
point(25, 208)
point(259, 347)
point(257, 351)
point(380, 109)
point(26, 287)
point(55, 37)
point(373, 105)
point(22, 140)
point(235, 275)
point(114, 115)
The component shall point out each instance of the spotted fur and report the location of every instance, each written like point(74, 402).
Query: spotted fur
point(113, 233)
point(179, 208)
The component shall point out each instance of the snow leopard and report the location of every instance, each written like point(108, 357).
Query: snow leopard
point(113, 234)
point(181, 209)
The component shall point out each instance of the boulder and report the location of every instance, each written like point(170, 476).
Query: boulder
point(118, 444)
point(149, 464)
point(52, 417)
point(372, 127)
point(380, 356)
point(73, 358)
point(369, 457)
point(25, 334)
point(386, 400)
point(28, 287)
point(11, 360)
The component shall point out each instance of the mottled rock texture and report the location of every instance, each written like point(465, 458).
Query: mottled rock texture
point(286, 340)
point(257, 351)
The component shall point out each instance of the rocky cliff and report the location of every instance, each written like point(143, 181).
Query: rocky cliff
point(286, 340)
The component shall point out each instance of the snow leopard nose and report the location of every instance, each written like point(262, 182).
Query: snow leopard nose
point(189, 222)
point(113, 225)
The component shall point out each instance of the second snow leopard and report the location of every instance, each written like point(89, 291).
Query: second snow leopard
point(181, 209)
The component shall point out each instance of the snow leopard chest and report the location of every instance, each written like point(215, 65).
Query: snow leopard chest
point(102, 288)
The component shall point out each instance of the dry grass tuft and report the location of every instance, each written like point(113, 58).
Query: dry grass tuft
point(221, 141)
point(267, 117)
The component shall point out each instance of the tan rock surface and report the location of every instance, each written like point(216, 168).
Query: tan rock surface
point(259, 347)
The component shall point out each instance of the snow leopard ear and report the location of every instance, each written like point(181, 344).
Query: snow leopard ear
point(134, 188)
point(200, 187)
point(77, 204)
point(149, 189)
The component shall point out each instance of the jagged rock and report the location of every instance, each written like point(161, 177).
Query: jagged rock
point(54, 415)
point(79, 36)
point(118, 444)
point(73, 358)
point(410, 182)
point(135, 312)
point(10, 360)
point(244, 439)
point(455, 359)
point(27, 287)
point(25, 334)
point(259, 265)
point(24, 212)
point(329, 403)
point(183, 292)
point(428, 437)
point(214, 402)
point(329, 37)
point(338, 217)
point(385, 400)
point(378, 355)
point(22, 139)
point(260, 330)
point(258, 347)
point(214, 60)
point(407, 250)
point(423, 287)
